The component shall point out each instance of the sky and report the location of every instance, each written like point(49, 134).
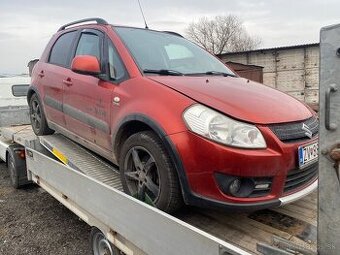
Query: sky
point(27, 25)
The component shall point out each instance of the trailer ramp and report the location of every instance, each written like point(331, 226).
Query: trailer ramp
point(82, 160)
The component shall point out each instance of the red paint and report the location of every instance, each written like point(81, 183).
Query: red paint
point(163, 99)
point(85, 64)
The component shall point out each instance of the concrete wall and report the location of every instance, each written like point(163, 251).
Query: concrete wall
point(294, 70)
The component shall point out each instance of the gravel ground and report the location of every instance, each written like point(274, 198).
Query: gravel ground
point(32, 223)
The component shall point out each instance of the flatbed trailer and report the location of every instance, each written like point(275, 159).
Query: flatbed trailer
point(90, 187)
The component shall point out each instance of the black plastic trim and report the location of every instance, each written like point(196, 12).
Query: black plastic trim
point(169, 146)
point(31, 90)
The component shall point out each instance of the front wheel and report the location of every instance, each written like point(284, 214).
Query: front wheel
point(147, 172)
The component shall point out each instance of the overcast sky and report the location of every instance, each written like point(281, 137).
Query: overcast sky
point(27, 25)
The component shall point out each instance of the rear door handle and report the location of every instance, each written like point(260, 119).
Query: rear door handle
point(68, 82)
point(41, 74)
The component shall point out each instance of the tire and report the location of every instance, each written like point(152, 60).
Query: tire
point(147, 172)
point(100, 245)
point(13, 173)
point(16, 167)
point(37, 117)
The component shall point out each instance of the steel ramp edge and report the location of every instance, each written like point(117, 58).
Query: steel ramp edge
point(80, 159)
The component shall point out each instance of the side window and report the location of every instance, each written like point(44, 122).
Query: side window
point(89, 44)
point(116, 68)
point(61, 51)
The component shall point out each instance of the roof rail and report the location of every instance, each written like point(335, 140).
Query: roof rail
point(98, 20)
point(173, 33)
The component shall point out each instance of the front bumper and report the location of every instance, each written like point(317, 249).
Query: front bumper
point(300, 194)
point(202, 158)
point(204, 202)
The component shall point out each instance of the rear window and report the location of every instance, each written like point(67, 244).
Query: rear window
point(61, 51)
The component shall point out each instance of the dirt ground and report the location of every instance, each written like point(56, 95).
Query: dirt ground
point(32, 223)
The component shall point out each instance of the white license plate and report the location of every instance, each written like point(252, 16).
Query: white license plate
point(308, 154)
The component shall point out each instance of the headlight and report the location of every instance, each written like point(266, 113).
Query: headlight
point(220, 128)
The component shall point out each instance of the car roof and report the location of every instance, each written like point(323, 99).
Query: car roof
point(102, 22)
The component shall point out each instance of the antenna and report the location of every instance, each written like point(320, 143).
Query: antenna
point(141, 10)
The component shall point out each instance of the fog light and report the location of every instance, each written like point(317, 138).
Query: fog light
point(235, 186)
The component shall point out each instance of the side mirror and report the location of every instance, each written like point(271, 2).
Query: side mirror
point(86, 64)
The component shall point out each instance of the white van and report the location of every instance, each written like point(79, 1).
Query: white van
point(13, 104)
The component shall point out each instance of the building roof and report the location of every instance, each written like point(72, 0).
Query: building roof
point(243, 65)
point(273, 48)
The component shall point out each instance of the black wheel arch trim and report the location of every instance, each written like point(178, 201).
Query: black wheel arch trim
point(31, 90)
point(169, 146)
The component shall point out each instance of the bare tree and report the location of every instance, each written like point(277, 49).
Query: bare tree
point(222, 34)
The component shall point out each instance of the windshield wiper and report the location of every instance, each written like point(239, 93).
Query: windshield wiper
point(214, 73)
point(219, 73)
point(163, 72)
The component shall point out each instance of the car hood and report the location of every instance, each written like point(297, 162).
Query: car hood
point(239, 98)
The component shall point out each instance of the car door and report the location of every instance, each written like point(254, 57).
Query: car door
point(88, 100)
point(52, 74)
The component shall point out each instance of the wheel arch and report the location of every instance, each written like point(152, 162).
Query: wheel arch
point(139, 122)
point(133, 124)
point(32, 90)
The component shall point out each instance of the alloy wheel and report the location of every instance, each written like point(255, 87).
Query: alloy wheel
point(36, 114)
point(141, 175)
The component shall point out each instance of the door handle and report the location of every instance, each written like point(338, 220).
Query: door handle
point(68, 82)
point(41, 74)
point(331, 89)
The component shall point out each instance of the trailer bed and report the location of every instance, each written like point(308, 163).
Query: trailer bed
point(295, 222)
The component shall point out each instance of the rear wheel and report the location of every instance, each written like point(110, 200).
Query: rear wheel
point(147, 172)
point(100, 245)
point(16, 165)
point(37, 117)
point(13, 173)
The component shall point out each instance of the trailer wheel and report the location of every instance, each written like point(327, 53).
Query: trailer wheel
point(13, 173)
point(100, 245)
point(16, 165)
point(13, 170)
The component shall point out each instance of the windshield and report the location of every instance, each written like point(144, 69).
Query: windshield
point(163, 52)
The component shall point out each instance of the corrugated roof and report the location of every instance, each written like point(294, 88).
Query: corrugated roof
point(273, 48)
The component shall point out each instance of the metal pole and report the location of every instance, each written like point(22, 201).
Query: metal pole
point(329, 141)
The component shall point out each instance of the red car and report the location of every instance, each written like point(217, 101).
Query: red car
point(180, 125)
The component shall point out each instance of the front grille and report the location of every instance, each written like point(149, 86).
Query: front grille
point(289, 132)
point(298, 177)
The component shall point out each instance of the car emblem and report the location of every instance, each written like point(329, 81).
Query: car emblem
point(308, 132)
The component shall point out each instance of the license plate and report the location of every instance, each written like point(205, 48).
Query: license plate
point(308, 154)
